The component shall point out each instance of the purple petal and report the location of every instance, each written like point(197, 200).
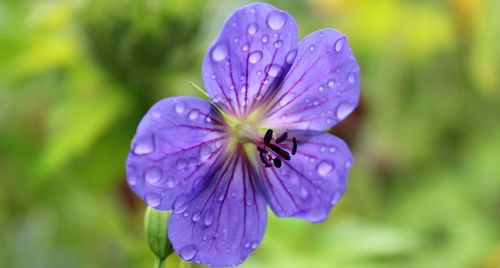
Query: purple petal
point(176, 144)
point(313, 181)
point(226, 222)
point(251, 55)
point(322, 86)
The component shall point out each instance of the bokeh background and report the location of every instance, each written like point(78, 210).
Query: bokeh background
point(76, 77)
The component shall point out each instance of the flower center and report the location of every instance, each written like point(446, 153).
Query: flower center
point(266, 156)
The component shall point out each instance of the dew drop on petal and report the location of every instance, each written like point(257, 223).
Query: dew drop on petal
point(153, 175)
point(194, 114)
point(196, 216)
point(181, 164)
point(219, 52)
point(351, 78)
point(208, 218)
point(324, 168)
point(278, 44)
point(188, 252)
point(255, 57)
point(336, 197)
point(274, 70)
point(180, 204)
point(331, 83)
point(348, 164)
point(252, 29)
point(343, 110)
point(276, 20)
point(152, 199)
point(254, 244)
point(290, 57)
point(170, 182)
point(339, 44)
point(245, 47)
point(312, 48)
point(132, 178)
point(144, 145)
point(243, 88)
point(287, 98)
point(265, 39)
point(180, 107)
point(321, 88)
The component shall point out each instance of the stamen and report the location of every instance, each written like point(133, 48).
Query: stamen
point(294, 148)
point(263, 158)
point(277, 162)
point(261, 150)
point(284, 154)
point(268, 136)
point(282, 138)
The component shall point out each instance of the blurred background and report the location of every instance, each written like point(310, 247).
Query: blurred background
point(76, 77)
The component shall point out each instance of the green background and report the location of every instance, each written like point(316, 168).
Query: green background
point(77, 76)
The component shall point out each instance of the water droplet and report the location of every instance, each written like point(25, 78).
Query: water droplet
point(278, 44)
point(194, 114)
point(316, 103)
point(244, 47)
point(180, 107)
point(276, 20)
point(170, 182)
point(205, 153)
point(331, 83)
point(144, 145)
point(266, 81)
point(243, 88)
point(180, 204)
point(264, 39)
point(290, 57)
point(208, 218)
point(287, 98)
point(339, 44)
point(274, 70)
point(181, 164)
point(333, 149)
point(252, 29)
point(255, 57)
point(348, 164)
point(219, 52)
point(312, 48)
point(188, 252)
point(156, 114)
point(236, 40)
point(343, 110)
point(303, 192)
point(153, 175)
point(152, 199)
point(321, 88)
point(323, 149)
point(247, 245)
point(254, 244)
point(336, 197)
point(185, 214)
point(351, 78)
point(324, 168)
point(132, 178)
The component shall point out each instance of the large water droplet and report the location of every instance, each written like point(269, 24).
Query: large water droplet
point(276, 20)
point(180, 107)
point(152, 199)
point(180, 204)
point(274, 70)
point(252, 29)
point(324, 168)
point(287, 98)
point(188, 252)
point(255, 57)
point(153, 175)
point(343, 110)
point(339, 44)
point(194, 114)
point(219, 52)
point(144, 145)
point(208, 218)
point(290, 57)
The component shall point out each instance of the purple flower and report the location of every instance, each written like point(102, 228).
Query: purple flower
point(218, 165)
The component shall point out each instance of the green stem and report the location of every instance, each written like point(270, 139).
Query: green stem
point(159, 263)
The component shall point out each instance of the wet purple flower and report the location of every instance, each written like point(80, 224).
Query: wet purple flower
point(217, 170)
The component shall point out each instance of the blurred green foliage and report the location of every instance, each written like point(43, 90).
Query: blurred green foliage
point(76, 77)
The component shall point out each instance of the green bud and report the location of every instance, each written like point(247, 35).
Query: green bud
point(156, 226)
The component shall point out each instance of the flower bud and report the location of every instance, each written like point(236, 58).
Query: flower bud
point(156, 227)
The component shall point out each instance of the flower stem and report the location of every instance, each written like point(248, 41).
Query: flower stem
point(159, 263)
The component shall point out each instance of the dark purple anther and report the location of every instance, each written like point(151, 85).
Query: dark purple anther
point(282, 138)
point(265, 160)
point(268, 136)
point(294, 148)
point(284, 154)
point(277, 162)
